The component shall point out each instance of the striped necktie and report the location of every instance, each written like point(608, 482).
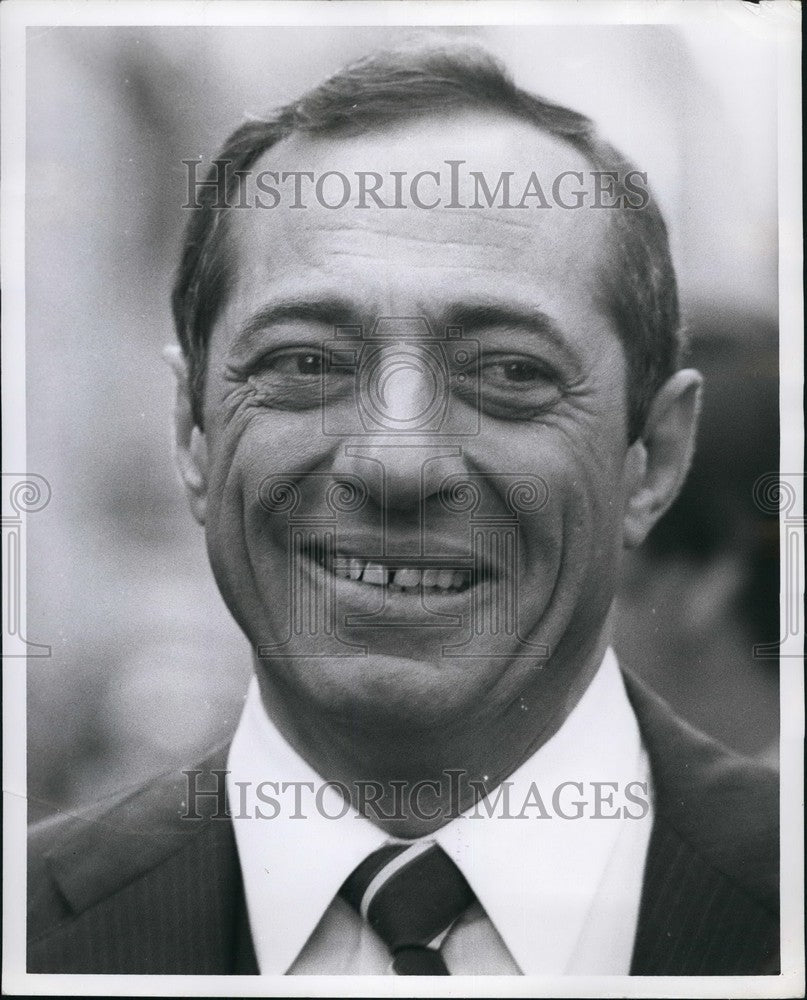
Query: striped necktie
point(410, 895)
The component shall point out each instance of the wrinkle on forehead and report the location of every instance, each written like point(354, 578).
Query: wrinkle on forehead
point(388, 259)
point(489, 145)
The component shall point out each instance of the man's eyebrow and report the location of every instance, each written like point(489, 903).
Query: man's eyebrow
point(331, 310)
point(471, 318)
point(335, 310)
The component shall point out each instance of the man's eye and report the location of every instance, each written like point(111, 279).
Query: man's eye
point(521, 372)
point(296, 363)
point(518, 388)
point(515, 373)
point(291, 378)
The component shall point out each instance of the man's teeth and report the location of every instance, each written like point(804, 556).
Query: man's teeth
point(405, 578)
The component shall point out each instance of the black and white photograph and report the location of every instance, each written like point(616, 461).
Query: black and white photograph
point(403, 525)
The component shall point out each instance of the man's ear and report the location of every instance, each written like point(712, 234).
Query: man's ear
point(659, 460)
point(190, 445)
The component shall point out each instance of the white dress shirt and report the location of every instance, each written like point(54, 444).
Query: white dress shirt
point(555, 896)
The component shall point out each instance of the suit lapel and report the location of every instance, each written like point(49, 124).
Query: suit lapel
point(695, 921)
point(142, 889)
point(710, 894)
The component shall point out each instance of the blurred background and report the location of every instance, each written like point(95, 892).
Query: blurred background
point(147, 668)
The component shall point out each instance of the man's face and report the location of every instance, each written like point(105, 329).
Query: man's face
point(416, 607)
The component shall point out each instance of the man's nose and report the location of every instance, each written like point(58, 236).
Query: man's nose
point(398, 475)
point(407, 450)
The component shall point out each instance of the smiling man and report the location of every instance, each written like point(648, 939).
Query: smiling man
point(427, 394)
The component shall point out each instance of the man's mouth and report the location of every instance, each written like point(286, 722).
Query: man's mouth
point(409, 579)
point(401, 574)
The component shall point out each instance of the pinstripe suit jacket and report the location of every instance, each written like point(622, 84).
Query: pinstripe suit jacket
point(129, 887)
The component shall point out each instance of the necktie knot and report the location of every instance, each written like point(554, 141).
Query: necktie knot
point(410, 895)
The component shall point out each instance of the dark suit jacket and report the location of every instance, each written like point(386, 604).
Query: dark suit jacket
point(129, 886)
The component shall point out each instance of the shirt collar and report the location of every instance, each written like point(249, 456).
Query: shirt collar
point(535, 878)
point(293, 863)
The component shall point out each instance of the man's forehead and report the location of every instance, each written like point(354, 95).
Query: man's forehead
point(484, 244)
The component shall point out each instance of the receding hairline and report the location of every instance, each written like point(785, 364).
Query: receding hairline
point(420, 119)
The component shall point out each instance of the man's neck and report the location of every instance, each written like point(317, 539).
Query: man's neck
point(411, 784)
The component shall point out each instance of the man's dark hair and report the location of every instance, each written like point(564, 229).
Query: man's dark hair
point(390, 86)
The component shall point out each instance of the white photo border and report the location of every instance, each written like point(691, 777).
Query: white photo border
point(779, 19)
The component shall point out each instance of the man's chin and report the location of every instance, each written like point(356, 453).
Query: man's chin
point(382, 690)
